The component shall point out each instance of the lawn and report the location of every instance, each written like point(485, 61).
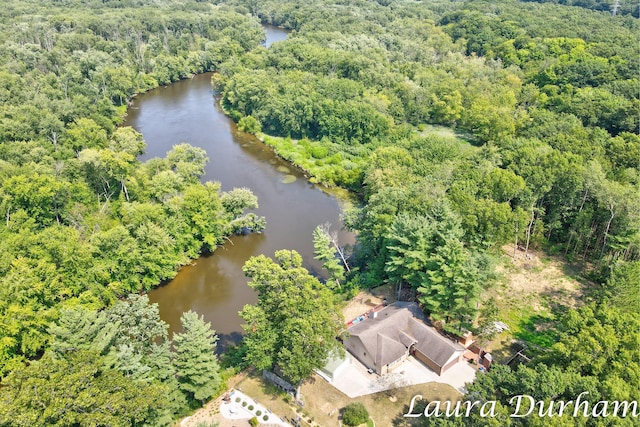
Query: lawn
point(385, 408)
point(322, 403)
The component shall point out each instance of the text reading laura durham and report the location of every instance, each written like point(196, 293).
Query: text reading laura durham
point(524, 405)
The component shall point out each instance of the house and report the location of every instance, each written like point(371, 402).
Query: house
point(384, 340)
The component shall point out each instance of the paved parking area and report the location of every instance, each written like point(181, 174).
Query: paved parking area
point(355, 381)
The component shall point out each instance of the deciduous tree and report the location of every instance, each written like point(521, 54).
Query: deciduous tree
point(295, 322)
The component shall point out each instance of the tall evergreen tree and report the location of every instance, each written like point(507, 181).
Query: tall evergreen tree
point(82, 329)
point(159, 360)
point(195, 361)
point(427, 253)
point(140, 323)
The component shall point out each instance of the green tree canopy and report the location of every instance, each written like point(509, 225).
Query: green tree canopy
point(295, 322)
point(75, 390)
point(355, 414)
point(195, 361)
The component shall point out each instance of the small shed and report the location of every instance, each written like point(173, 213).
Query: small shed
point(486, 360)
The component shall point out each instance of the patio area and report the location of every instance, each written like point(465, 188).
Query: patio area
point(239, 406)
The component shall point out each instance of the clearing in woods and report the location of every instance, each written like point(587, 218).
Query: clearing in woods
point(534, 291)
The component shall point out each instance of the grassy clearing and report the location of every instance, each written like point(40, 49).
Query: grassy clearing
point(534, 293)
point(465, 138)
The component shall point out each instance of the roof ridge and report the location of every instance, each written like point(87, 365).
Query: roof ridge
point(434, 331)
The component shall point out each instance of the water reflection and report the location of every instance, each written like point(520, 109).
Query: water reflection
point(215, 286)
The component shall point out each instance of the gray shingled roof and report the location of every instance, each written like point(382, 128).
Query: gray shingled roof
point(432, 344)
point(395, 328)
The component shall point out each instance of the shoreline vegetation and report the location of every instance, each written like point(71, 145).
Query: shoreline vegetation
point(548, 92)
point(346, 197)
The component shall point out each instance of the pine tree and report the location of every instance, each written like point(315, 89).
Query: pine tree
point(427, 253)
point(82, 329)
point(159, 360)
point(195, 361)
point(126, 360)
point(139, 321)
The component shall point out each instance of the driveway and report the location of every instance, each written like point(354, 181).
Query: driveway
point(354, 380)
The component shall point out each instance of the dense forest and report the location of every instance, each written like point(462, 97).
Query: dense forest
point(463, 126)
point(84, 223)
point(616, 7)
point(549, 107)
point(544, 102)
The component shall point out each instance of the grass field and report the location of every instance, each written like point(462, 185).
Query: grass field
point(322, 403)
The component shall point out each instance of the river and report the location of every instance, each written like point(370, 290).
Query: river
point(214, 286)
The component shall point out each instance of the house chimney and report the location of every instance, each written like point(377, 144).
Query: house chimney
point(466, 339)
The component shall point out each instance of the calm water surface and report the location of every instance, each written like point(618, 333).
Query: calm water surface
point(215, 286)
point(274, 34)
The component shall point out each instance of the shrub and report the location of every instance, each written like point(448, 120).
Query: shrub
point(355, 414)
point(237, 399)
point(319, 152)
point(244, 404)
point(249, 124)
point(258, 413)
point(254, 422)
point(265, 417)
point(251, 407)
